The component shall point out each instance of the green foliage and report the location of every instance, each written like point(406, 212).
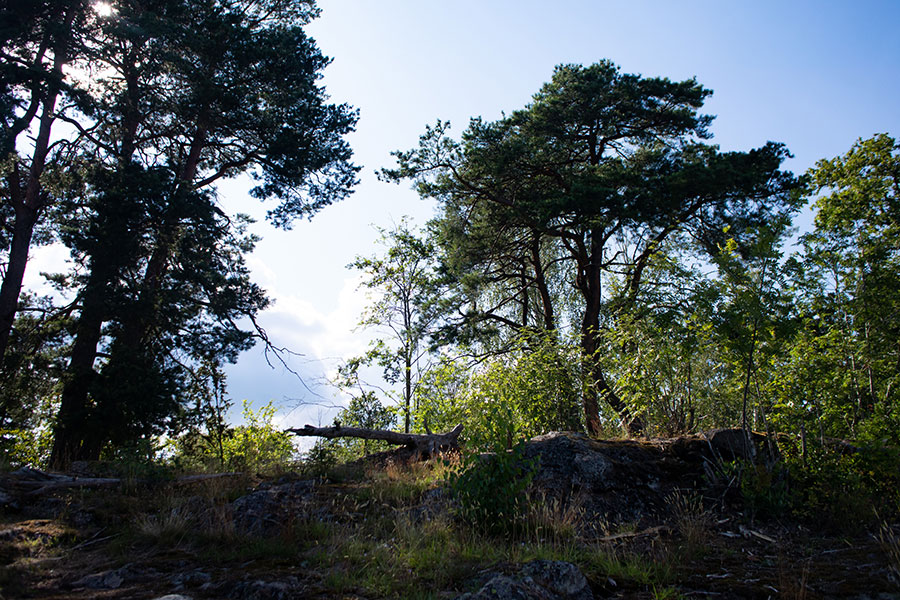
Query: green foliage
point(662, 348)
point(765, 489)
point(598, 162)
point(842, 489)
point(191, 94)
point(364, 411)
point(256, 446)
point(491, 489)
point(405, 300)
point(25, 447)
point(29, 390)
point(834, 486)
point(526, 392)
point(440, 396)
point(841, 378)
point(321, 458)
point(204, 425)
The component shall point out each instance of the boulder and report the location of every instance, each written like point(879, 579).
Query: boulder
point(561, 578)
point(537, 580)
point(267, 510)
point(627, 480)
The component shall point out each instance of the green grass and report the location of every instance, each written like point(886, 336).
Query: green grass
point(375, 542)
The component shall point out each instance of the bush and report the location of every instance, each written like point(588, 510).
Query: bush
point(765, 489)
point(257, 445)
point(835, 487)
point(843, 489)
point(21, 447)
point(491, 490)
point(529, 391)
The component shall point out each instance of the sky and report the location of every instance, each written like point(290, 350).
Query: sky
point(815, 75)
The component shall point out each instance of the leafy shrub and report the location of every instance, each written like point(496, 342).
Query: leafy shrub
point(528, 391)
point(765, 489)
point(491, 489)
point(833, 486)
point(257, 445)
point(320, 458)
point(844, 489)
point(20, 447)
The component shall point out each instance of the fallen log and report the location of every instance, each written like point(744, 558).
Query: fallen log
point(34, 482)
point(424, 444)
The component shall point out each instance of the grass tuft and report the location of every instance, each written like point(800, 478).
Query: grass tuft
point(890, 544)
point(691, 519)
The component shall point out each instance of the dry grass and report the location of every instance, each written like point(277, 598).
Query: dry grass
point(889, 541)
point(691, 519)
point(790, 586)
point(165, 526)
point(552, 522)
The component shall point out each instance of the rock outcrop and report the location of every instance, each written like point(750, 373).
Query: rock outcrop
point(628, 480)
point(537, 580)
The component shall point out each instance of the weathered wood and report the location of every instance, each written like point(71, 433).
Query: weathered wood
point(425, 444)
point(34, 482)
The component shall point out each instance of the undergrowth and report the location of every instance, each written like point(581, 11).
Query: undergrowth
point(389, 534)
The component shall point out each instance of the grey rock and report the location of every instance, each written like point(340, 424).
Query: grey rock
point(173, 597)
point(107, 580)
point(267, 590)
point(622, 480)
point(503, 587)
point(562, 578)
point(191, 579)
point(82, 518)
point(731, 444)
point(266, 511)
point(537, 580)
point(7, 501)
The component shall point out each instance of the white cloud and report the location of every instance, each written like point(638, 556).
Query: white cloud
point(327, 335)
point(324, 338)
point(52, 258)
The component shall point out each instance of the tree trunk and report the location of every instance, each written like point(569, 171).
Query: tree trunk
point(27, 200)
point(26, 218)
point(589, 283)
point(540, 280)
point(425, 445)
point(407, 390)
point(72, 439)
point(138, 323)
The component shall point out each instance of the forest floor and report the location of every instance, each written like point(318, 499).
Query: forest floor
point(388, 532)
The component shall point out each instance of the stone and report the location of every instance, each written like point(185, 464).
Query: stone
point(7, 501)
point(537, 580)
point(265, 511)
point(625, 480)
point(503, 587)
point(267, 590)
point(562, 578)
point(107, 580)
point(195, 578)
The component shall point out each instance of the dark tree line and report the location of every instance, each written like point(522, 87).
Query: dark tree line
point(596, 260)
point(597, 243)
point(595, 175)
point(152, 105)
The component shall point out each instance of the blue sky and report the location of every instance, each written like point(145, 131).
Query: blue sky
point(814, 75)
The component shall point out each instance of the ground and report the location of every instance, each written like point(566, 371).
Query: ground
point(389, 531)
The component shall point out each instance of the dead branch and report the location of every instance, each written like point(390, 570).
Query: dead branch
point(425, 444)
point(34, 482)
